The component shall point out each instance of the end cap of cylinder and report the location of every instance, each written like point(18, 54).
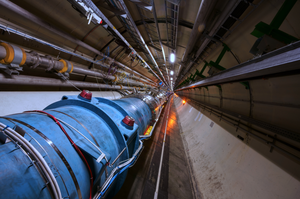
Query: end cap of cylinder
point(86, 94)
point(128, 120)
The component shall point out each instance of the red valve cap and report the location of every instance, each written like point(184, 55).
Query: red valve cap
point(128, 120)
point(86, 94)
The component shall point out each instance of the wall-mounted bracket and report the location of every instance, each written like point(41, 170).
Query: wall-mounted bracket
point(246, 84)
point(219, 86)
point(272, 30)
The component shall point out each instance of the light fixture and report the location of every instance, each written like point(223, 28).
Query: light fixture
point(171, 78)
point(172, 72)
point(172, 58)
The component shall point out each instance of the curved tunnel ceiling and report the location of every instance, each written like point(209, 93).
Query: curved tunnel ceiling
point(237, 62)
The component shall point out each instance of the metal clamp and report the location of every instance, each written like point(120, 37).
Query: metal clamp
point(51, 62)
point(68, 67)
point(15, 57)
point(37, 62)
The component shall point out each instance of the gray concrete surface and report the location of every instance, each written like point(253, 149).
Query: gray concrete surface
point(225, 167)
point(180, 176)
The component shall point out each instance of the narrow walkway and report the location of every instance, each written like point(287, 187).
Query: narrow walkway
point(175, 177)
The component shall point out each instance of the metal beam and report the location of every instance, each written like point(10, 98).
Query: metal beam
point(176, 34)
point(286, 59)
point(102, 4)
point(140, 36)
point(172, 9)
point(182, 23)
point(166, 44)
point(148, 30)
point(171, 47)
point(158, 32)
point(139, 3)
point(152, 46)
point(282, 13)
point(101, 15)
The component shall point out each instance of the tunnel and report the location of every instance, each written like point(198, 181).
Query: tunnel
point(149, 99)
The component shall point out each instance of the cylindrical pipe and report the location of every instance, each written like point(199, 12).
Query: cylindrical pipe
point(92, 73)
point(231, 5)
point(43, 81)
point(2, 52)
point(25, 14)
point(101, 75)
point(46, 62)
point(204, 9)
point(43, 62)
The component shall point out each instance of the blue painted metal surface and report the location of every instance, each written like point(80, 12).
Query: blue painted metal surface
point(20, 178)
point(137, 109)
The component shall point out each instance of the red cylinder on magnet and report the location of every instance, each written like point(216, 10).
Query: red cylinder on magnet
point(86, 94)
point(128, 120)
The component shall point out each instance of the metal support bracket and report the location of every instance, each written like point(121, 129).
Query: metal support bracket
point(262, 29)
point(11, 69)
point(272, 30)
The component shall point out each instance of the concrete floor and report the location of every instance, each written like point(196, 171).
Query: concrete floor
point(175, 181)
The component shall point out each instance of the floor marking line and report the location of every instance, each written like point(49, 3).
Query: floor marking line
point(200, 117)
point(197, 117)
point(162, 154)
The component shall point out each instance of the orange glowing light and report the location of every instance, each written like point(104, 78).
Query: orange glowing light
point(183, 101)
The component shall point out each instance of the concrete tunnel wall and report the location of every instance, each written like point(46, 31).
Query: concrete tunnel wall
point(225, 167)
point(273, 100)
